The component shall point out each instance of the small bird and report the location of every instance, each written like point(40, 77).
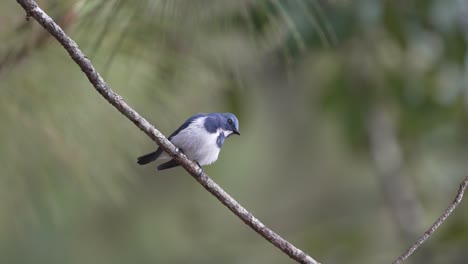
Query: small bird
point(200, 138)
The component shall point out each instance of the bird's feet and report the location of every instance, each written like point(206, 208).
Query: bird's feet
point(201, 168)
point(180, 151)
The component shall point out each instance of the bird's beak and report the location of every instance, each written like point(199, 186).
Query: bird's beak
point(236, 132)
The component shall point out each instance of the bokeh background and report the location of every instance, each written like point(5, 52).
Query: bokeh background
point(353, 117)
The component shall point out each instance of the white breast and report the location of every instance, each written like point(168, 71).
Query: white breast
point(197, 144)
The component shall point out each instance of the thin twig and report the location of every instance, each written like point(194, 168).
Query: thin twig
point(32, 10)
point(433, 228)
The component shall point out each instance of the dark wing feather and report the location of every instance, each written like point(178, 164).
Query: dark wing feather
point(186, 124)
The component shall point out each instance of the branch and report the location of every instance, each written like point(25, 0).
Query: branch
point(433, 228)
point(33, 10)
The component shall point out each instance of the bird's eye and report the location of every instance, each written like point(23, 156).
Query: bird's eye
point(230, 121)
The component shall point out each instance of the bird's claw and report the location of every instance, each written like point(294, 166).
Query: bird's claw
point(201, 169)
point(180, 151)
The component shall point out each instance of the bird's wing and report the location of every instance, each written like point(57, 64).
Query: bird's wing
point(186, 124)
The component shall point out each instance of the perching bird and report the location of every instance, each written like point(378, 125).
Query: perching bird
point(200, 138)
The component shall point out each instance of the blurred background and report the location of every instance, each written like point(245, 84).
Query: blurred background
point(353, 117)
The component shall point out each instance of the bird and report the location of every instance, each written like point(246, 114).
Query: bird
point(200, 138)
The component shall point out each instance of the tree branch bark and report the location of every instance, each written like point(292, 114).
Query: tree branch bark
point(33, 10)
point(433, 228)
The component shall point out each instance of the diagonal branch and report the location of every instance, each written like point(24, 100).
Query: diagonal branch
point(33, 10)
point(433, 228)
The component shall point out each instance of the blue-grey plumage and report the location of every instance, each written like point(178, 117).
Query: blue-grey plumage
point(200, 138)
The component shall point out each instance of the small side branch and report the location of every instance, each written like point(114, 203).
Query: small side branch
point(436, 225)
point(33, 10)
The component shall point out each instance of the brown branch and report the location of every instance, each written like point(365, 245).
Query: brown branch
point(33, 10)
point(433, 228)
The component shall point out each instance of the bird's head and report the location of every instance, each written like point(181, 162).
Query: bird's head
point(230, 123)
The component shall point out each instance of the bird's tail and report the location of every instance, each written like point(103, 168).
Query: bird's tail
point(168, 165)
point(145, 159)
